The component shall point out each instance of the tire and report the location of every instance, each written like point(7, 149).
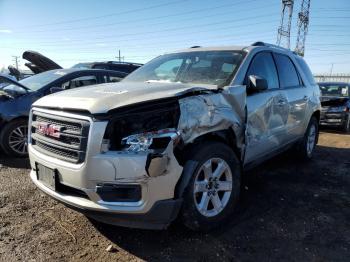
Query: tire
point(13, 138)
point(346, 127)
point(216, 155)
point(307, 146)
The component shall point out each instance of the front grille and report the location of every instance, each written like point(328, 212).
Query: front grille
point(61, 137)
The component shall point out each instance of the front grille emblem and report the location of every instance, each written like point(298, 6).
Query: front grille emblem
point(49, 129)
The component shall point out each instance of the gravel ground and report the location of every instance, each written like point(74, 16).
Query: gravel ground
point(289, 211)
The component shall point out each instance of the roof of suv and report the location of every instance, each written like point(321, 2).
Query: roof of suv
point(236, 48)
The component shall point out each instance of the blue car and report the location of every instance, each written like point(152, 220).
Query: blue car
point(16, 99)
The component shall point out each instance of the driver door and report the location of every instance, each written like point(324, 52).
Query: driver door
point(267, 111)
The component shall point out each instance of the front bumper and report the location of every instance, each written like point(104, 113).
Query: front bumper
point(155, 209)
point(333, 118)
point(162, 213)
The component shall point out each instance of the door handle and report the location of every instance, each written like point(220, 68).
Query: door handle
point(305, 98)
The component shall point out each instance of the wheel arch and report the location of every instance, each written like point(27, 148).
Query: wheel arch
point(316, 114)
point(10, 120)
point(226, 137)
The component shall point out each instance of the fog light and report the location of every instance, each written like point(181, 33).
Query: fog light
point(119, 193)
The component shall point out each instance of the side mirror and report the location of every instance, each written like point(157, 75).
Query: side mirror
point(56, 89)
point(257, 83)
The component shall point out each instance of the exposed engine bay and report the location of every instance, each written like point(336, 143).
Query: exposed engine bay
point(140, 119)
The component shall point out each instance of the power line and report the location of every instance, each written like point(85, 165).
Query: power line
point(105, 15)
point(163, 43)
point(174, 29)
point(128, 21)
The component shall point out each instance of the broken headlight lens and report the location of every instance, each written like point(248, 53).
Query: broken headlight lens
point(149, 141)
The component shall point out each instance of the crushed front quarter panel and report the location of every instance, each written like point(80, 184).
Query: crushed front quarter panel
point(208, 113)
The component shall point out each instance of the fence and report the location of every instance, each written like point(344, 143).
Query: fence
point(332, 78)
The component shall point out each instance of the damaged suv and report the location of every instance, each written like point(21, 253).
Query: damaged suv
point(173, 138)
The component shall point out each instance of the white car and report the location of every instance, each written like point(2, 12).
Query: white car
point(175, 136)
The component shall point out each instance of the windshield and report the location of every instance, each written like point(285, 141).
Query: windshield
point(335, 90)
point(38, 81)
point(201, 67)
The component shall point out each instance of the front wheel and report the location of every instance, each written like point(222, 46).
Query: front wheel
point(213, 190)
point(13, 138)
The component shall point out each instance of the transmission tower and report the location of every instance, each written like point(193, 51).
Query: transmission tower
point(303, 25)
point(283, 36)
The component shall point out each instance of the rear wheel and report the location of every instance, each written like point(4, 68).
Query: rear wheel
point(213, 191)
point(14, 137)
point(308, 144)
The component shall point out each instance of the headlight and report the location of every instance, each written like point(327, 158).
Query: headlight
point(149, 141)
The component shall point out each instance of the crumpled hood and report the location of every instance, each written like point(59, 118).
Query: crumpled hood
point(102, 98)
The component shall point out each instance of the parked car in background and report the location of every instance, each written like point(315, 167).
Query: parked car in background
point(39, 63)
point(126, 67)
point(172, 138)
point(16, 99)
point(335, 101)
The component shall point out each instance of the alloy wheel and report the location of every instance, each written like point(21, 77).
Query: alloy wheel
point(212, 187)
point(18, 139)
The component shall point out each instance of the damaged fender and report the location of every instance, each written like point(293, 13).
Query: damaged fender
point(207, 113)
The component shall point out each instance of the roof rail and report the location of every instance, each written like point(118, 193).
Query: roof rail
point(121, 62)
point(195, 46)
point(260, 43)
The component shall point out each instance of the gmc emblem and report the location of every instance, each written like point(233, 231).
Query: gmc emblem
point(49, 129)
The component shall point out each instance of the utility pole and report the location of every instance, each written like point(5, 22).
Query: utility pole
point(303, 26)
point(283, 36)
point(15, 60)
point(120, 58)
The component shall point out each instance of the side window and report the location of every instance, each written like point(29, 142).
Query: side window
point(264, 66)
point(111, 79)
point(286, 71)
point(80, 81)
point(306, 70)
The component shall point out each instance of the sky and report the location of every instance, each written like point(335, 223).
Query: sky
point(70, 32)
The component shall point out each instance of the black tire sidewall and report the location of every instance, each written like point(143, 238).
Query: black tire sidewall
point(4, 136)
point(305, 155)
point(191, 217)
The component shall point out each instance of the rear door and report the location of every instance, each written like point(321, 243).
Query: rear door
point(267, 111)
point(295, 93)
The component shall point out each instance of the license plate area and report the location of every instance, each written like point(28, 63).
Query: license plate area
point(46, 175)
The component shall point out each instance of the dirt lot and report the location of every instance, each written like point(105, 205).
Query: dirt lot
point(289, 211)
